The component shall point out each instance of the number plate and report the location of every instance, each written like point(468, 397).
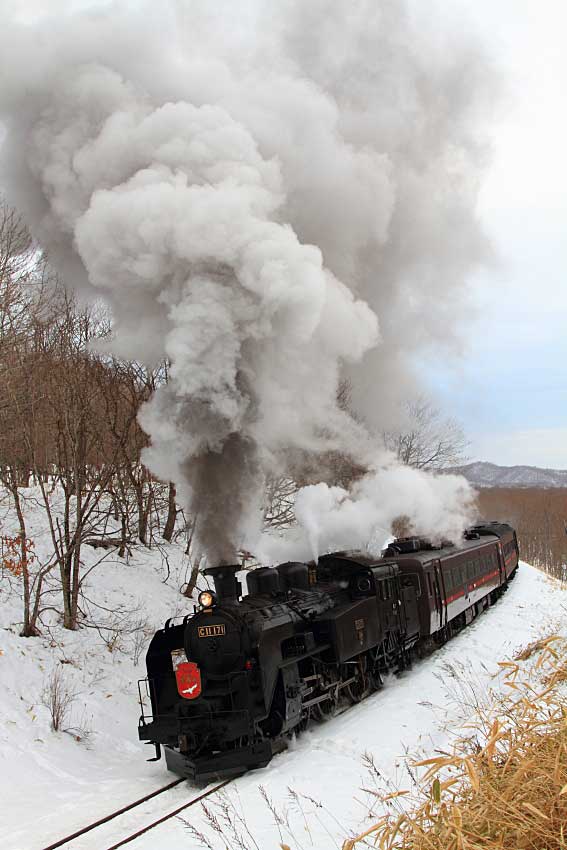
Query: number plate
point(211, 631)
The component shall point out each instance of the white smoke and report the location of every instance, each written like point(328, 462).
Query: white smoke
point(249, 186)
point(332, 518)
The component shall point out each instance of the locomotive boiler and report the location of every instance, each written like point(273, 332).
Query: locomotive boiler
point(231, 682)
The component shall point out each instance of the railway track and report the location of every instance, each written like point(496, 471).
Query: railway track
point(118, 812)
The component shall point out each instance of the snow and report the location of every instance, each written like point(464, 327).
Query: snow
point(52, 784)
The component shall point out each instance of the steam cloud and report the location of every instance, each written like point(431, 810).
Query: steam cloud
point(249, 186)
point(331, 518)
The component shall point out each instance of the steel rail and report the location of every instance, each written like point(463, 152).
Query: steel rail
point(170, 815)
point(112, 815)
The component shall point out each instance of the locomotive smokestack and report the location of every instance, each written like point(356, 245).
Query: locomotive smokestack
point(227, 586)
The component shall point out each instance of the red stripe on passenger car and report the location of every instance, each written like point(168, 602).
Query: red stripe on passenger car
point(483, 580)
point(454, 596)
point(472, 586)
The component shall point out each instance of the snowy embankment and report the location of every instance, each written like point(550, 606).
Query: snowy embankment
point(51, 783)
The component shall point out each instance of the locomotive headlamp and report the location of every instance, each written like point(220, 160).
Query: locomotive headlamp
point(207, 599)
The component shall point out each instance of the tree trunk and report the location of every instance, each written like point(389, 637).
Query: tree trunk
point(171, 513)
point(29, 629)
point(66, 553)
point(24, 475)
point(74, 547)
point(75, 583)
point(123, 538)
point(142, 523)
point(193, 578)
point(115, 510)
point(66, 589)
point(35, 612)
point(146, 516)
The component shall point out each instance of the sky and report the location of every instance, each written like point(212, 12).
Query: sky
point(508, 384)
point(509, 388)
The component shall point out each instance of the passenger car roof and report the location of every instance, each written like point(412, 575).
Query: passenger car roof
point(355, 557)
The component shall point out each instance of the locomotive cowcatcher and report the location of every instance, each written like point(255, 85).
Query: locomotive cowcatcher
point(230, 683)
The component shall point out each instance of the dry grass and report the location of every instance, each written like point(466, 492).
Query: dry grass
point(557, 675)
point(536, 646)
point(504, 787)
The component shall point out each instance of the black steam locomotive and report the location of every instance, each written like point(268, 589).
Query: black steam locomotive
point(231, 682)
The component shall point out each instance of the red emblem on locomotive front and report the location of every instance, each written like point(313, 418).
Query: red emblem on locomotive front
point(188, 678)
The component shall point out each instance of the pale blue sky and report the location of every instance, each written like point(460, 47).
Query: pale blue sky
point(510, 389)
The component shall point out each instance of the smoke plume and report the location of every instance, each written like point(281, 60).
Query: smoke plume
point(250, 186)
point(332, 518)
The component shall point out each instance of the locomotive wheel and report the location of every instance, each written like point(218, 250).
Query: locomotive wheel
point(328, 708)
point(376, 681)
point(304, 722)
point(362, 686)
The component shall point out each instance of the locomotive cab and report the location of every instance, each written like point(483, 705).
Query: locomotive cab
point(396, 593)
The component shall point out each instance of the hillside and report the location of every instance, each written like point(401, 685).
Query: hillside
point(483, 474)
point(77, 776)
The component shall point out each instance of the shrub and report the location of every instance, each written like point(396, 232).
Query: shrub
point(504, 785)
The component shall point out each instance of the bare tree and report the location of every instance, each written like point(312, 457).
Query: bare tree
point(69, 423)
point(428, 439)
point(279, 502)
point(52, 429)
point(23, 292)
point(539, 516)
point(58, 697)
point(172, 512)
point(18, 554)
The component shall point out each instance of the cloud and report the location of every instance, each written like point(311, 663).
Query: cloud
point(545, 447)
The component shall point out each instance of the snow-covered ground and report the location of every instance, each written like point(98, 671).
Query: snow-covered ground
point(52, 784)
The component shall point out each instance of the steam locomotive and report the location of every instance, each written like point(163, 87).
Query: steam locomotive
point(231, 682)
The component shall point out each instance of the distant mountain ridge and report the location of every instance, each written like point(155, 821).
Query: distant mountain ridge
point(483, 474)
